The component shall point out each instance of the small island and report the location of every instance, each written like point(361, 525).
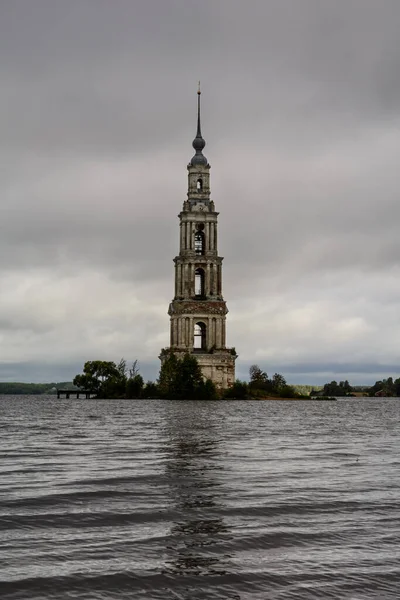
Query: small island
point(180, 378)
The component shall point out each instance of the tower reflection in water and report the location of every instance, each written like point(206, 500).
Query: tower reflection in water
point(199, 537)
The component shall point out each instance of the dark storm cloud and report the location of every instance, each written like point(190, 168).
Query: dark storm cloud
point(301, 114)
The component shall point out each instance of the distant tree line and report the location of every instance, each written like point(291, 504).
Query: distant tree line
point(32, 389)
point(262, 386)
point(385, 387)
point(305, 389)
point(343, 388)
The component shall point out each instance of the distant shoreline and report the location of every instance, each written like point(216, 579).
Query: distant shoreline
point(312, 398)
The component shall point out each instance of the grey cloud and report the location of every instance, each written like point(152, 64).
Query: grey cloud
point(108, 79)
point(301, 117)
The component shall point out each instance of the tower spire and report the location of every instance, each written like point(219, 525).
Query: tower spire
point(198, 142)
point(198, 112)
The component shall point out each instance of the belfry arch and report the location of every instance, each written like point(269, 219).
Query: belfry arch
point(199, 283)
point(200, 336)
point(200, 241)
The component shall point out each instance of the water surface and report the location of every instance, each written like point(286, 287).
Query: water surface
point(199, 500)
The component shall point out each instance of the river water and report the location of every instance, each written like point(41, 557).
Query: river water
point(199, 500)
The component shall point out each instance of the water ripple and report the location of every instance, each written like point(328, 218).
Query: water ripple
point(199, 500)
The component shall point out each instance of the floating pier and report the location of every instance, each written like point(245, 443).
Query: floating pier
point(77, 393)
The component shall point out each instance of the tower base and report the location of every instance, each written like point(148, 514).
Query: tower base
point(219, 366)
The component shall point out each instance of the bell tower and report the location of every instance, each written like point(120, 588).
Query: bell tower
point(198, 310)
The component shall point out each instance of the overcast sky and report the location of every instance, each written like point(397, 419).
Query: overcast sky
point(301, 115)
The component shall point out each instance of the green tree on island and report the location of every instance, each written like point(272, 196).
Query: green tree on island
point(182, 379)
point(106, 379)
point(260, 385)
point(386, 387)
point(258, 378)
point(337, 389)
point(97, 375)
point(134, 383)
point(238, 391)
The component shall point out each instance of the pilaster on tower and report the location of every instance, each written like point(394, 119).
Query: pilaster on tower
point(198, 310)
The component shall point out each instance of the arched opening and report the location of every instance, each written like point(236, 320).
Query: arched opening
point(199, 336)
point(199, 240)
point(199, 277)
point(199, 184)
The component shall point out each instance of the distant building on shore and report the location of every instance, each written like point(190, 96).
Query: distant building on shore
point(198, 310)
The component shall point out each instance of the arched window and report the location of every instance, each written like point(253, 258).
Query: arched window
point(199, 336)
point(199, 282)
point(199, 242)
point(199, 184)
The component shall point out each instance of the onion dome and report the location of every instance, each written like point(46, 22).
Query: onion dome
point(198, 142)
